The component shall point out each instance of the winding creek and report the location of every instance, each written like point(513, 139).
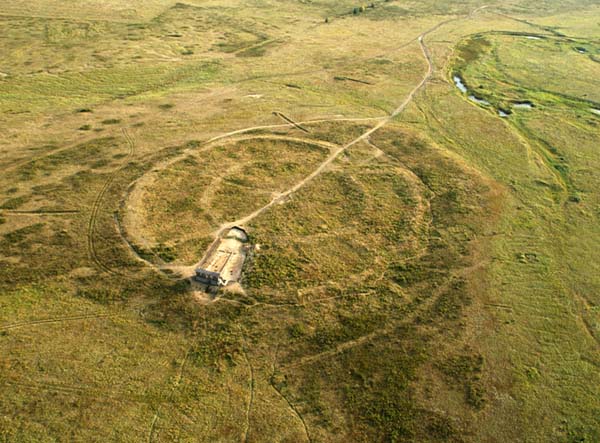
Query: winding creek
point(458, 81)
point(523, 104)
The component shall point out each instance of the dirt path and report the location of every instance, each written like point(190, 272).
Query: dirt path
point(381, 122)
point(281, 197)
point(130, 225)
point(287, 125)
point(292, 408)
point(134, 216)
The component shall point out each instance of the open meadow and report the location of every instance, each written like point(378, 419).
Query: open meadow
point(419, 182)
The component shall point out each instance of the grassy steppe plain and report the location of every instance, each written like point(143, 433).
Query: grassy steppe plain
point(437, 281)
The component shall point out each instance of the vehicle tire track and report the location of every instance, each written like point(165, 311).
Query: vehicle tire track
point(195, 151)
point(252, 388)
point(22, 162)
point(388, 329)
point(97, 205)
point(382, 122)
point(291, 406)
point(99, 394)
point(287, 125)
point(153, 426)
point(338, 349)
point(54, 320)
point(39, 212)
point(156, 416)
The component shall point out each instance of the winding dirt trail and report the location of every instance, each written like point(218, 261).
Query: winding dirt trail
point(381, 122)
point(335, 154)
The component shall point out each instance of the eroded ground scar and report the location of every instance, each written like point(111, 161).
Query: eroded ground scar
point(350, 79)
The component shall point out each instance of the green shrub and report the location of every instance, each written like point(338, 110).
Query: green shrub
point(111, 121)
point(166, 253)
point(20, 235)
point(296, 330)
point(103, 296)
point(15, 202)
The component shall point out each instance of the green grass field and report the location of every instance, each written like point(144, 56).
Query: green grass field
point(424, 263)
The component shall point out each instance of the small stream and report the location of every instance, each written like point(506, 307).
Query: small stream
point(463, 88)
point(479, 100)
point(459, 83)
point(523, 105)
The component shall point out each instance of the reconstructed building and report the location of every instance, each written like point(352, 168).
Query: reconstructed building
point(209, 277)
point(224, 260)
